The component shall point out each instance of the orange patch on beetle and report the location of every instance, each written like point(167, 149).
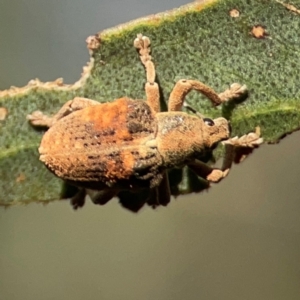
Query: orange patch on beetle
point(106, 114)
point(114, 170)
point(128, 161)
point(109, 116)
point(122, 121)
point(120, 167)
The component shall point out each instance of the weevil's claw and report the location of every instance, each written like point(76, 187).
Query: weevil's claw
point(216, 175)
point(141, 42)
point(236, 91)
point(37, 118)
point(250, 140)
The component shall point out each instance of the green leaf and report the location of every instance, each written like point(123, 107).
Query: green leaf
point(197, 41)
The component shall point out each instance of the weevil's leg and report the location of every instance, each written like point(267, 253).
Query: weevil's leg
point(207, 172)
point(101, 197)
point(163, 190)
point(152, 96)
point(142, 43)
point(236, 91)
point(153, 198)
point(37, 118)
point(184, 86)
point(79, 199)
point(214, 174)
point(244, 145)
point(232, 146)
point(248, 141)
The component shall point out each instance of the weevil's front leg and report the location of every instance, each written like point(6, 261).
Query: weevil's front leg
point(142, 43)
point(246, 142)
point(37, 118)
point(207, 172)
point(250, 140)
point(184, 86)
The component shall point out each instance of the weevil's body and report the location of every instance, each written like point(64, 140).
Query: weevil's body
point(124, 144)
point(128, 145)
point(103, 145)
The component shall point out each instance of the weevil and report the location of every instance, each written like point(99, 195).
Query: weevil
point(129, 145)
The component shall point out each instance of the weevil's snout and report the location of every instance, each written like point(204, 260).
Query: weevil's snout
point(218, 131)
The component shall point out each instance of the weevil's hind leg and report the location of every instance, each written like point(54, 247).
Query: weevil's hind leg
point(79, 199)
point(37, 118)
point(142, 43)
point(184, 86)
point(101, 197)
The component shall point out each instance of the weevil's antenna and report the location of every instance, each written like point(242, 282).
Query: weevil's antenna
point(193, 110)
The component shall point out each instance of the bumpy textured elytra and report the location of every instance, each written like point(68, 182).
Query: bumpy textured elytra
point(128, 145)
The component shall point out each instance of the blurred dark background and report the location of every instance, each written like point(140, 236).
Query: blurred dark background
point(238, 241)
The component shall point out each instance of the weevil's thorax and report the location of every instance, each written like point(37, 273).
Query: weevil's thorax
point(182, 137)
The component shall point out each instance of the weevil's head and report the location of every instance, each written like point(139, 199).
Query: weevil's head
point(182, 137)
point(215, 131)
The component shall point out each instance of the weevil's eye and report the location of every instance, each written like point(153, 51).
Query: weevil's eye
point(209, 122)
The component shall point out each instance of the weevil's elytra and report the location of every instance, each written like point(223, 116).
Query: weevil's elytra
point(128, 145)
point(106, 142)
